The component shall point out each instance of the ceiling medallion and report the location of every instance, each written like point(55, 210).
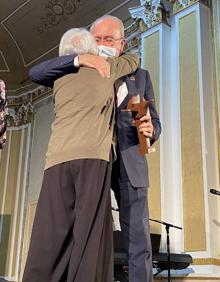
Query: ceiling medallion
point(57, 11)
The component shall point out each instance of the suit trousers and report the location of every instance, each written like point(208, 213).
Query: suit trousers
point(134, 221)
point(72, 233)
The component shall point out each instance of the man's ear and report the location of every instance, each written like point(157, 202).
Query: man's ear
point(123, 43)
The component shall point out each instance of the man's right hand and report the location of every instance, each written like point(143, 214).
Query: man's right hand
point(96, 62)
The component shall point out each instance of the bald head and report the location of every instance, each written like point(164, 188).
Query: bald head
point(109, 31)
point(108, 19)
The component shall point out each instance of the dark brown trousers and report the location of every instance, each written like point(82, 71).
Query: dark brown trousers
point(72, 233)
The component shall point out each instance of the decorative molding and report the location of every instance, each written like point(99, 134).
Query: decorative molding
point(23, 114)
point(131, 29)
point(133, 38)
point(57, 11)
point(21, 107)
point(179, 5)
point(26, 90)
point(151, 12)
point(133, 43)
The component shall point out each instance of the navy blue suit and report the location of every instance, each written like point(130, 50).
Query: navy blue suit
point(130, 171)
point(130, 180)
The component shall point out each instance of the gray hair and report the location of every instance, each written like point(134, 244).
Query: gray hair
point(110, 17)
point(77, 41)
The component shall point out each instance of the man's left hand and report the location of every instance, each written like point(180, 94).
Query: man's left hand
point(146, 126)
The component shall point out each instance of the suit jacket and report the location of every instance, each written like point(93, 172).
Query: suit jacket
point(128, 144)
point(137, 83)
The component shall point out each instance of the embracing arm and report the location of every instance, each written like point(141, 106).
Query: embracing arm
point(123, 65)
point(48, 71)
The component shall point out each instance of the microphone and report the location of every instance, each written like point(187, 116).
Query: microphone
point(215, 192)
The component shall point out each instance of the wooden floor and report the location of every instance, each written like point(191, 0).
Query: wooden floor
point(191, 278)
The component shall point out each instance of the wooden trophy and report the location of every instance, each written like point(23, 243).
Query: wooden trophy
point(139, 108)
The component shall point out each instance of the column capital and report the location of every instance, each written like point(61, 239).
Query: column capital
point(21, 105)
point(152, 12)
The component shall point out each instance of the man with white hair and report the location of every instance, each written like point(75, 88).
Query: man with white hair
point(130, 179)
point(72, 233)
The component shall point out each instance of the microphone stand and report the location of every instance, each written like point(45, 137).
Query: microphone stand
point(215, 192)
point(167, 227)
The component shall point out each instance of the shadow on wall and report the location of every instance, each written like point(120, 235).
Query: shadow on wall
point(214, 221)
point(5, 221)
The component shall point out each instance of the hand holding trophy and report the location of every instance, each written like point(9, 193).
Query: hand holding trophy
point(140, 107)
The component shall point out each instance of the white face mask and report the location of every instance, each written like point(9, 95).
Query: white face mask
point(106, 51)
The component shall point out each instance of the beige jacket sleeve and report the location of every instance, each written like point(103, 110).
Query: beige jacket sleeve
point(123, 65)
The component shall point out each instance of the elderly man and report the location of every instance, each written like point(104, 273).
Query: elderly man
point(130, 172)
point(72, 232)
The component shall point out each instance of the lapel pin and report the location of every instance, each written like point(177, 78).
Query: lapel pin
point(132, 77)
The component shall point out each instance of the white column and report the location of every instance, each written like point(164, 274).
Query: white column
point(171, 197)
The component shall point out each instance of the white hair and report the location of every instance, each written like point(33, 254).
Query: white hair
point(77, 41)
point(110, 17)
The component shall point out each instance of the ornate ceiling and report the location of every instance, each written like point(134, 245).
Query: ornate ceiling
point(30, 30)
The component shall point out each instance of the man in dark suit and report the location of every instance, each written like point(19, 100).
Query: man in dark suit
point(130, 172)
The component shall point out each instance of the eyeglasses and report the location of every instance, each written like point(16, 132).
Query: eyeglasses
point(108, 39)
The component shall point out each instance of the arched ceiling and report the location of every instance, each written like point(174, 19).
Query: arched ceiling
point(30, 30)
